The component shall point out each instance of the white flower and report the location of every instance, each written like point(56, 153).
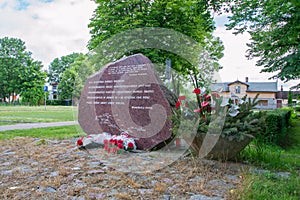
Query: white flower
point(224, 102)
point(233, 111)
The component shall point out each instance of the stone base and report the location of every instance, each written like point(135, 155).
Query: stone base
point(224, 149)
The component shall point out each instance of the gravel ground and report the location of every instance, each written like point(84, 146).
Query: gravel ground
point(45, 169)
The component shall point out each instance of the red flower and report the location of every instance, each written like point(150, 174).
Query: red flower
point(79, 142)
point(198, 110)
point(113, 141)
point(130, 145)
point(120, 145)
point(197, 91)
point(178, 103)
point(120, 141)
point(204, 103)
point(181, 98)
point(207, 97)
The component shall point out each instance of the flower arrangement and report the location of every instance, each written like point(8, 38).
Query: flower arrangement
point(119, 142)
point(111, 143)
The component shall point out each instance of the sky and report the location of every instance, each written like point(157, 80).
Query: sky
point(55, 28)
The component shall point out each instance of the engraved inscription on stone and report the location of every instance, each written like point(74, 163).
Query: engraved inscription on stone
point(126, 96)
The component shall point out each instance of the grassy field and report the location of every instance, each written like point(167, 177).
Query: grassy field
point(24, 114)
point(284, 158)
point(63, 132)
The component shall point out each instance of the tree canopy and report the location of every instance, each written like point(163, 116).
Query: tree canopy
point(59, 65)
point(19, 73)
point(73, 78)
point(274, 29)
point(191, 18)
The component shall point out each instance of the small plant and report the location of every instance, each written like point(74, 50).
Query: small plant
point(41, 142)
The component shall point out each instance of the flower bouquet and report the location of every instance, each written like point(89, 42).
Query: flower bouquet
point(111, 143)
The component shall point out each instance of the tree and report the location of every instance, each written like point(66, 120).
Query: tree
point(59, 65)
point(19, 73)
point(274, 29)
point(32, 86)
point(191, 18)
point(13, 58)
point(73, 78)
point(290, 98)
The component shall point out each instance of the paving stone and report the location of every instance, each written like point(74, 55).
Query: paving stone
point(231, 177)
point(145, 191)
point(196, 179)
point(8, 152)
point(167, 196)
point(50, 189)
point(6, 164)
point(221, 183)
point(97, 195)
point(99, 171)
point(56, 173)
point(203, 197)
point(167, 180)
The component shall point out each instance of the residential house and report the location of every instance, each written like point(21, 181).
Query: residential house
point(267, 92)
point(53, 91)
point(284, 95)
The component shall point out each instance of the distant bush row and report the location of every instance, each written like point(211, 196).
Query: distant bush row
point(273, 125)
point(59, 102)
point(41, 103)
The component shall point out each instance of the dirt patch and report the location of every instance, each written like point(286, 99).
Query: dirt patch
point(36, 169)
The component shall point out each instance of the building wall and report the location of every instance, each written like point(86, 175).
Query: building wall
point(262, 95)
point(242, 89)
point(266, 100)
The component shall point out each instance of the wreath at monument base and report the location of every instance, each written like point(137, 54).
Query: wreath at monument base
point(111, 143)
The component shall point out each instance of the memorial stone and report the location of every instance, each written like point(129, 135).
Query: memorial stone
point(126, 96)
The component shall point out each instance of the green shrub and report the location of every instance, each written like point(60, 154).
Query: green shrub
point(273, 125)
point(59, 103)
point(297, 108)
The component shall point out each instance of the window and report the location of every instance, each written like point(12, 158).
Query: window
point(262, 103)
point(237, 89)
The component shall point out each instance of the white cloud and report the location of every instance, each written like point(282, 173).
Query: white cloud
point(51, 29)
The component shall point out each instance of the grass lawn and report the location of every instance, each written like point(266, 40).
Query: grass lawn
point(268, 186)
point(21, 114)
point(63, 132)
point(6, 123)
point(284, 158)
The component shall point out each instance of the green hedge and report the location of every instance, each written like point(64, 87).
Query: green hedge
point(59, 102)
point(297, 108)
point(274, 125)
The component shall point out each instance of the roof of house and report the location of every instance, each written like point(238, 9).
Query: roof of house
point(237, 81)
point(252, 86)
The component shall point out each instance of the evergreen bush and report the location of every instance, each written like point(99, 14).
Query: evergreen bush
point(273, 125)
